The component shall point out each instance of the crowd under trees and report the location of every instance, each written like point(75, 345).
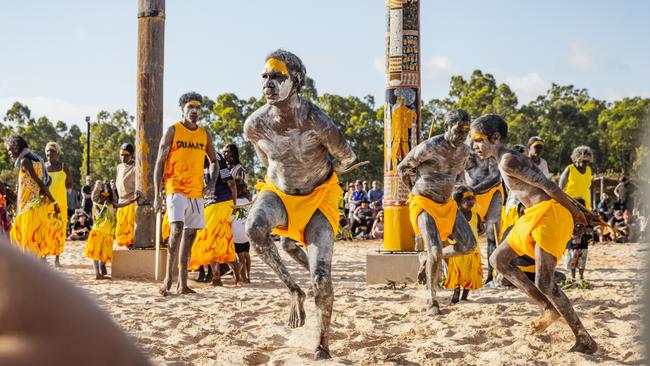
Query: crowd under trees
point(564, 117)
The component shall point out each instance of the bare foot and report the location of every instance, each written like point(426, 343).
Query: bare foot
point(186, 290)
point(296, 309)
point(164, 290)
point(585, 344)
point(217, 282)
point(99, 276)
point(544, 321)
point(422, 275)
point(57, 264)
point(434, 308)
point(321, 354)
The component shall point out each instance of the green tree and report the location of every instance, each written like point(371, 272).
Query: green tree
point(107, 134)
point(363, 128)
point(623, 125)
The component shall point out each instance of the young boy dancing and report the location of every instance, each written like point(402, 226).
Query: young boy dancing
point(541, 233)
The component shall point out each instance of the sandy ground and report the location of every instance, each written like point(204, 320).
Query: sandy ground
point(373, 325)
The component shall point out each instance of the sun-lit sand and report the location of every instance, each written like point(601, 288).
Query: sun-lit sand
point(373, 325)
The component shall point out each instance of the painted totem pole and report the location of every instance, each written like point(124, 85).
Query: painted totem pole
point(402, 125)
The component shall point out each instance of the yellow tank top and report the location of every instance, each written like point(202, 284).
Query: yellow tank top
point(184, 164)
point(28, 190)
point(58, 190)
point(104, 220)
point(579, 185)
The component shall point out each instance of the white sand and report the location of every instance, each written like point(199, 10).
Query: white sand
point(373, 325)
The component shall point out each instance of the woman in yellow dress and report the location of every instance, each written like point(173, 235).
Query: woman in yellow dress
point(575, 180)
point(215, 245)
point(31, 222)
point(61, 182)
point(100, 240)
point(466, 271)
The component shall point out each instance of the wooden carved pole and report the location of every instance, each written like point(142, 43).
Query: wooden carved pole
point(402, 126)
point(149, 123)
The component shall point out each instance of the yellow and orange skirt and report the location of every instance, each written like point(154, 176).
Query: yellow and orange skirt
point(99, 246)
point(214, 243)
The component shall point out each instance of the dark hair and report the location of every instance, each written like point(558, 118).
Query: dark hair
point(234, 151)
point(458, 193)
point(295, 66)
point(490, 124)
point(189, 96)
point(128, 147)
point(16, 140)
point(456, 115)
point(534, 139)
point(519, 147)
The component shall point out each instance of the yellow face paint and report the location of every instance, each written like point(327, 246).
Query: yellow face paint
point(273, 64)
point(478, 135)
point(193, 103)
point(124, 152)
point(104, 194)
point(536, 143)
point(468, 194)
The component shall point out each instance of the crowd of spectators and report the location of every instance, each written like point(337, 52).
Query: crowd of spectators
point(362, 215)
point(626, 218)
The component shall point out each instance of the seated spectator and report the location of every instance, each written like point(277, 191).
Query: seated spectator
point(354, 200)
point(79, 225)
point(344, 227)
point(377, 231)
point(376, 195)
point(605, 206)
point(362, 220)
point(604, 233)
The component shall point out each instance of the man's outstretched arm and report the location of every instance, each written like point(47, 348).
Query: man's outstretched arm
point(336, 144)
point(406, 168)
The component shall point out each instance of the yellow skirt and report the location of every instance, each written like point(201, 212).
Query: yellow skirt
point(443, 214)
point(56, 232)
point(124, 229)
point(547, 224)
point(215, 242)
point(300, 209)
point(483, 200)
point(30, 229)
point(99, 246)
point(465, 271)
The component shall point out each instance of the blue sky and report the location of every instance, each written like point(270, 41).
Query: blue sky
point(71, 58)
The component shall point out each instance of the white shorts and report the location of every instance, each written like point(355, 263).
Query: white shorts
point(189, 211)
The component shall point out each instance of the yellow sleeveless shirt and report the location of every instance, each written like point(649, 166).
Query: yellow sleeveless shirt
point(184, 164)
point(58, 190)
point(578, 185)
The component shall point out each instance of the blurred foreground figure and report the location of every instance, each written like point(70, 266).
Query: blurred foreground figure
point(45, 320)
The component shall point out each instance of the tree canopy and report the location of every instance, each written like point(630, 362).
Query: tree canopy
point(565, 117)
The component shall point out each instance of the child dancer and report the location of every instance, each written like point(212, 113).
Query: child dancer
point(465, 271)
point(100, 240)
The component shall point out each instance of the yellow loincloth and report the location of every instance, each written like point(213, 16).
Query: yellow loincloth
point(125, 227)
point(443, 214)
point(55, 232)
point(30, 228)
point(99, 246)
point(483, 200)
point(300, 209)
point(466, 271)
point(547, 224)
point(215, 242)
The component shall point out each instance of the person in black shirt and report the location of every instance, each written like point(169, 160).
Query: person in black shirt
point(214, 245)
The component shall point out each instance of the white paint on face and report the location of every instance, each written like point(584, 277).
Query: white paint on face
point(284, 89)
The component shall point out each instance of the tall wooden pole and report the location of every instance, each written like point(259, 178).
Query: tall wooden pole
point(149, 118)
point(402, 125)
